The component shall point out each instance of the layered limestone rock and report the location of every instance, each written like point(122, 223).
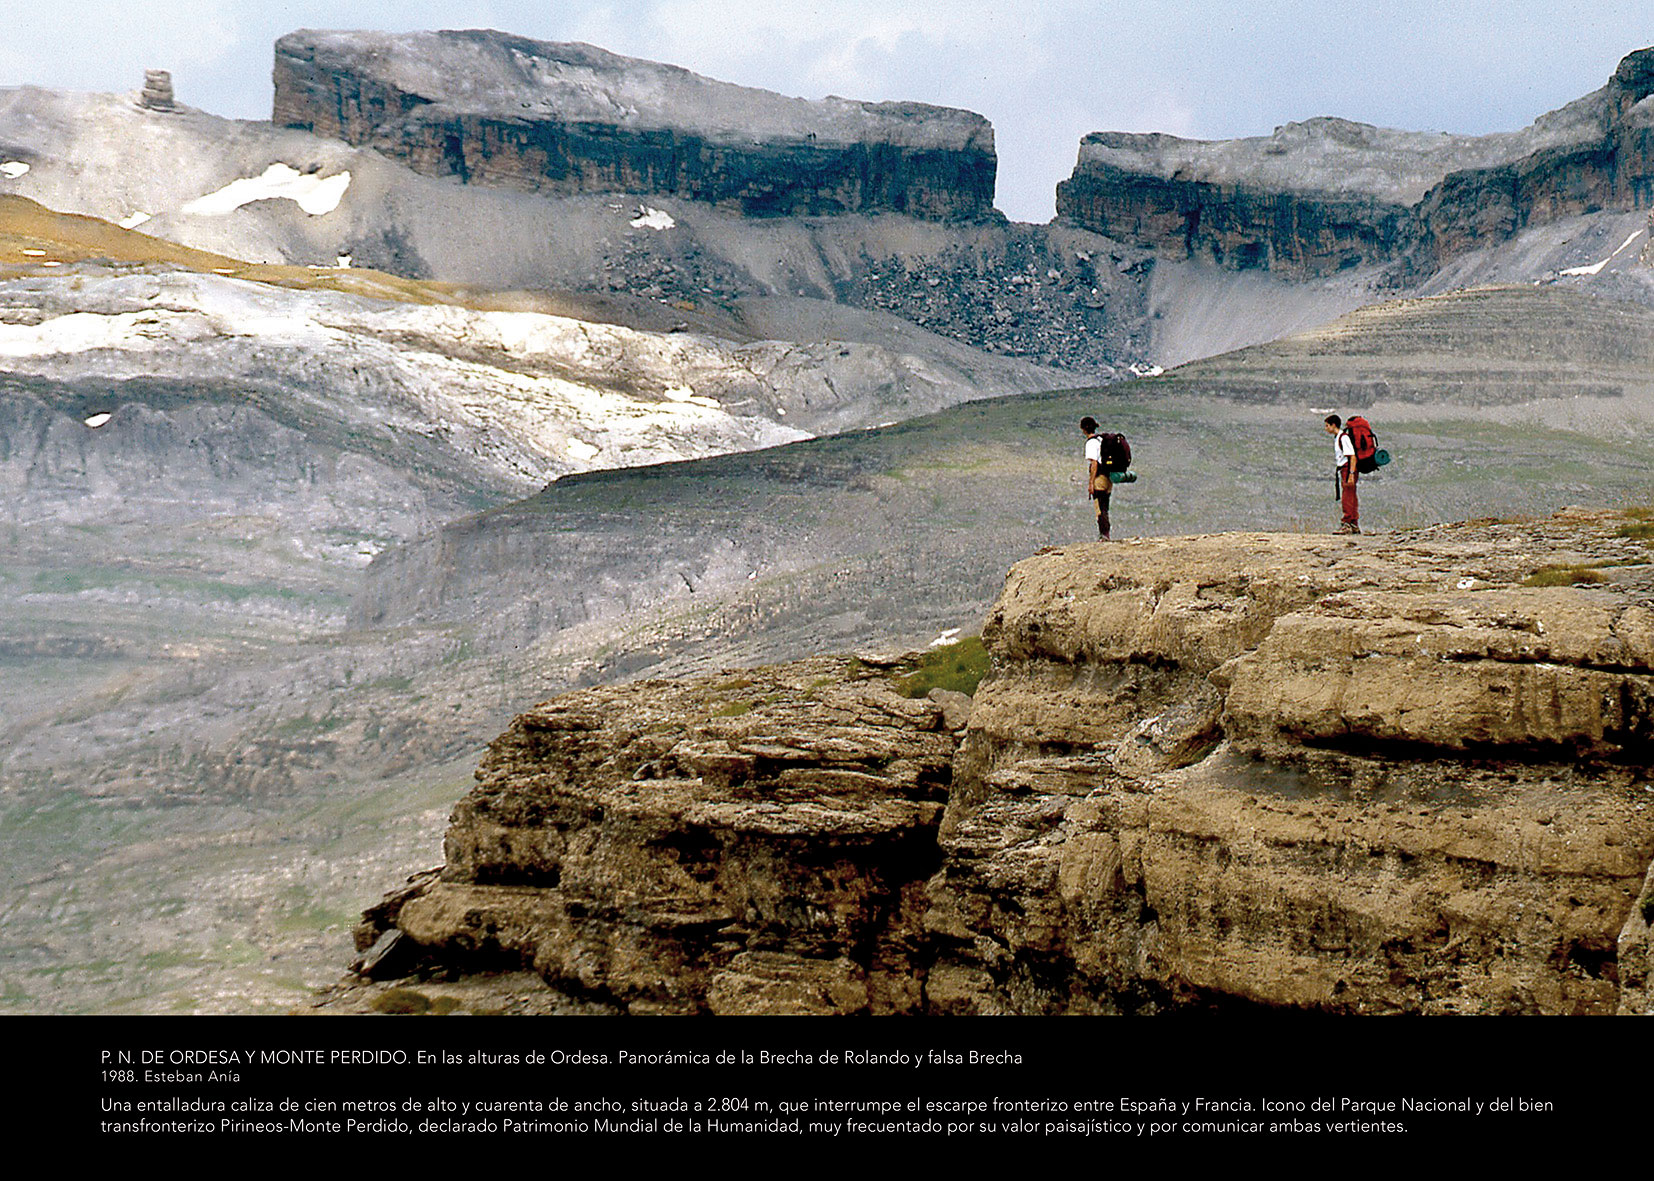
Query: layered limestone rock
point(495, 109)
point(1363, 775)
point(755, 842)
point(1328, 194)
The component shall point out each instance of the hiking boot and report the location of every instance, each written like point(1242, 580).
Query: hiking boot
point(1346, 527)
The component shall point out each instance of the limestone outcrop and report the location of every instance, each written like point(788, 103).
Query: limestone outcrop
point(495, 109)
point(1360, 775)
point(1371, 777)
point(756, 842)
point(1328, 194)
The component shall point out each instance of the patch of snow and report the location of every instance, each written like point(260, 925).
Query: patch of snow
point(343, 262)
point(98, 420)
point(1596, 268)
point(653, 219)
point(1139, 369)
point(684, 394)
point(313, 193)
point(1466, 583)
point(79, 332)
point(12, 169)
point(35, 253)
point(582, 451)
point(51, 262)
point(134, 219)
point(946, 637)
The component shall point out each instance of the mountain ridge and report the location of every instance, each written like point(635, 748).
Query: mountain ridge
point(1326, 195)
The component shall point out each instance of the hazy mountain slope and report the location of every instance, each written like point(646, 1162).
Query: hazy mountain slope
point(285, 746)
point(896, 534)
point(1482, 347)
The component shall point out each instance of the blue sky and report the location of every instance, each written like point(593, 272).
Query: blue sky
point(1045, 73)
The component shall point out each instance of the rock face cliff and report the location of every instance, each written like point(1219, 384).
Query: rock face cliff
point(1352, 775)
point(1328, 194)
point(495, 109)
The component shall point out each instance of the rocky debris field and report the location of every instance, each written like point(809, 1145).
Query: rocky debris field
point(1348, 775)
point(1050, 300)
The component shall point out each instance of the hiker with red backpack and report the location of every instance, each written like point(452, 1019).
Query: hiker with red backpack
point(1355, 450)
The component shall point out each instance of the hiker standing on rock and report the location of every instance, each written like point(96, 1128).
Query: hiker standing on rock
point(1104, 455)
point(1343, 449)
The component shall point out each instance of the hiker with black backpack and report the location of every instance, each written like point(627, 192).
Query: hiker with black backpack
point(1107, 458)
point(1355, 448)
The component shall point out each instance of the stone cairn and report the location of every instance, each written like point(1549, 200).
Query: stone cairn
point(157, 91)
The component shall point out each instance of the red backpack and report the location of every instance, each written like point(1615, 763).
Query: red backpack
point(1365, 442)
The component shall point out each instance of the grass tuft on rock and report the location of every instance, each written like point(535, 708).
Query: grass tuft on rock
point(408, 1002)
point(1564, 576)
point(402, 1002)
point(959, 667)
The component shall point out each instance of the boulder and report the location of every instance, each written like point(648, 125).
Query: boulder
point(752, 842)
point(1355, 776)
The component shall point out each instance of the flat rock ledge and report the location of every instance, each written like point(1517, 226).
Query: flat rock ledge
point(1378, 774)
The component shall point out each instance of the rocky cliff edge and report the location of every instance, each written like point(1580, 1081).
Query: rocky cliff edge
point(1361, 775)
point(492, 108)
point(1328, 194)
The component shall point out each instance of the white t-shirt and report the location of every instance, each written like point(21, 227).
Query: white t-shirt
point(1094, 452)
point(1343, 449)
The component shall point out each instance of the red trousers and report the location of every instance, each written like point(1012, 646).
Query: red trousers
point(1346, 495)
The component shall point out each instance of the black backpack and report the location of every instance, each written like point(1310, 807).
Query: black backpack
point(1116, 453)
